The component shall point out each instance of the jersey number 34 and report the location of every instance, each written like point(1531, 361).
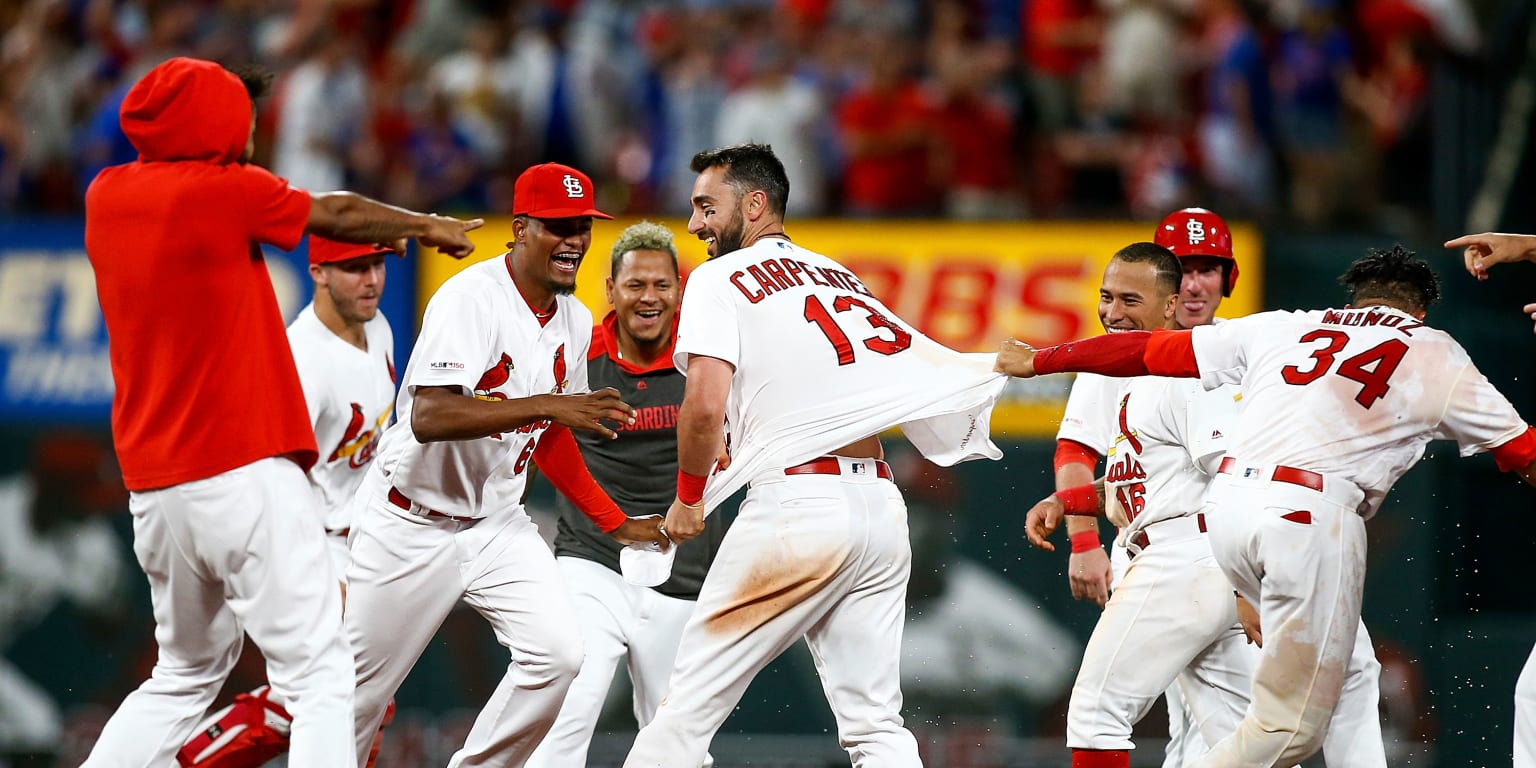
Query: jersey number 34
point(816, 312)
point(1371, 368)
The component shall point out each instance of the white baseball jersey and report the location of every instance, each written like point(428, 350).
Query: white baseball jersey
point(1170, 434)
point(829, 365)
point(351, 397)
point(1351, 393)
point(1089, 415)
point(480, 336)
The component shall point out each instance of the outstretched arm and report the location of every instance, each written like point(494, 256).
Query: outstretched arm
point(700, 423)
point(352, 218)
point(1130, 353)
point(1481, 251)
point(445, 413)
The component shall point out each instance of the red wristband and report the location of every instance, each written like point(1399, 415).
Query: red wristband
point(1085, 541)
point(690, 488)
point(1079, 500)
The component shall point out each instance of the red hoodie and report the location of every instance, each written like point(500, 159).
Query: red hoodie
point(204, 375)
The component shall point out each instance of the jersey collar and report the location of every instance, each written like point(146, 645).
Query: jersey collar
point(605, 342)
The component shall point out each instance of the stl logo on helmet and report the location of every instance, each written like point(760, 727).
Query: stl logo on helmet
point(1195, 228)
point(573, 186)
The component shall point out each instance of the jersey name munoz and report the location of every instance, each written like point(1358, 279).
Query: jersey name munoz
point(1350, 393)
point(820, 362)
point(351, 398)
point(480, 337)
point(1170, 436)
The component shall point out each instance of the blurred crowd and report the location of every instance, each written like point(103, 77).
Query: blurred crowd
point(1311, 111)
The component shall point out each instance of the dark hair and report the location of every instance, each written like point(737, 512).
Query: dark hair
point(1169, 272)
point(256, 79)
point(1395, 275)
point(749, 167)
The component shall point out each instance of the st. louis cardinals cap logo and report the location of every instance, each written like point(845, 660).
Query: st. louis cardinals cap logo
point(573, 187)
point(1195, 228)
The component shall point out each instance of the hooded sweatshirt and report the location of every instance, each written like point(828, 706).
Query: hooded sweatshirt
point(205, 380)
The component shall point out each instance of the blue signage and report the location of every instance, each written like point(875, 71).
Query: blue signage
point(53, 343)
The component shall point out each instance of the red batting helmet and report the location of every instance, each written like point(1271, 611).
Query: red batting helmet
point(1198, 232)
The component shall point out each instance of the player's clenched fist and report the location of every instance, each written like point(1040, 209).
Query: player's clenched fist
point(1016, 359)
point(447, 234)
point(587, 410)
point(636, 530)
point(684, 521)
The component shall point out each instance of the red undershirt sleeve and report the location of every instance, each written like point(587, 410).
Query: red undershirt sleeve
point(1518, 453)
point(559, 458)
point(1073, 452)
point(1171, 353)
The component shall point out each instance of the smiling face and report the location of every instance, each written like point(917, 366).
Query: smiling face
point(1200, 290)
point(717, 217)
point(552, 250)
point(644, 295)
point(353, 286)
point(1130, 300)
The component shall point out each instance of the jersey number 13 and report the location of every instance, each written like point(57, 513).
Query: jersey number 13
point(816, 312)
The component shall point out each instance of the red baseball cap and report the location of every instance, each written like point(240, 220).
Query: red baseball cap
point(323, 251)
point(554, 191)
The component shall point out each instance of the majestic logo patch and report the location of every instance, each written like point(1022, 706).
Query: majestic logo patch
point(573, 187)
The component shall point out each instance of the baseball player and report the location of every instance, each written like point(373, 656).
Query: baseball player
point(343, 348)
point(632, 353)
point(1173, 595)
point(1338, 403)
point(1202, 241)
point(797, 367)
point(208, 414)
point(497, 380)
point(1479, 253)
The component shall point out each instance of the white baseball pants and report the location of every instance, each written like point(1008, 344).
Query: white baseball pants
point(1172, 617)
point(820, 556)
point(1302, 552)
point(409, 570)
point(619, 622)
point(239, 552)
point(1525, 715)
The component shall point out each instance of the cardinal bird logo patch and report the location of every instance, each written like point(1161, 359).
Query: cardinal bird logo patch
point(494, 377)
point(560, 380)
point(357, 445)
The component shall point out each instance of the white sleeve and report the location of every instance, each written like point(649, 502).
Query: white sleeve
point(707, 323)
point(1209, 416)
point(455, 336)
point(1088, 418)
point(1477, 416)
point(1220, 350)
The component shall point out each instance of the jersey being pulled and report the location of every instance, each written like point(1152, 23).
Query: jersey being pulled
point(821, 363)
point(638, 470)
point(480, 337)
point(1170, 434)
point(1351, 393)
point(351, 397)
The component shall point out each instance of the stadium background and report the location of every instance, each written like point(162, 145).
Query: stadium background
point(1448, 598)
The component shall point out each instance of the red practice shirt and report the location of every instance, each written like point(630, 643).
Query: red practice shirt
point(205, 380)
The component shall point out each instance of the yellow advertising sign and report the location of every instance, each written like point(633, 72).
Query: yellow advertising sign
point(966, 284)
